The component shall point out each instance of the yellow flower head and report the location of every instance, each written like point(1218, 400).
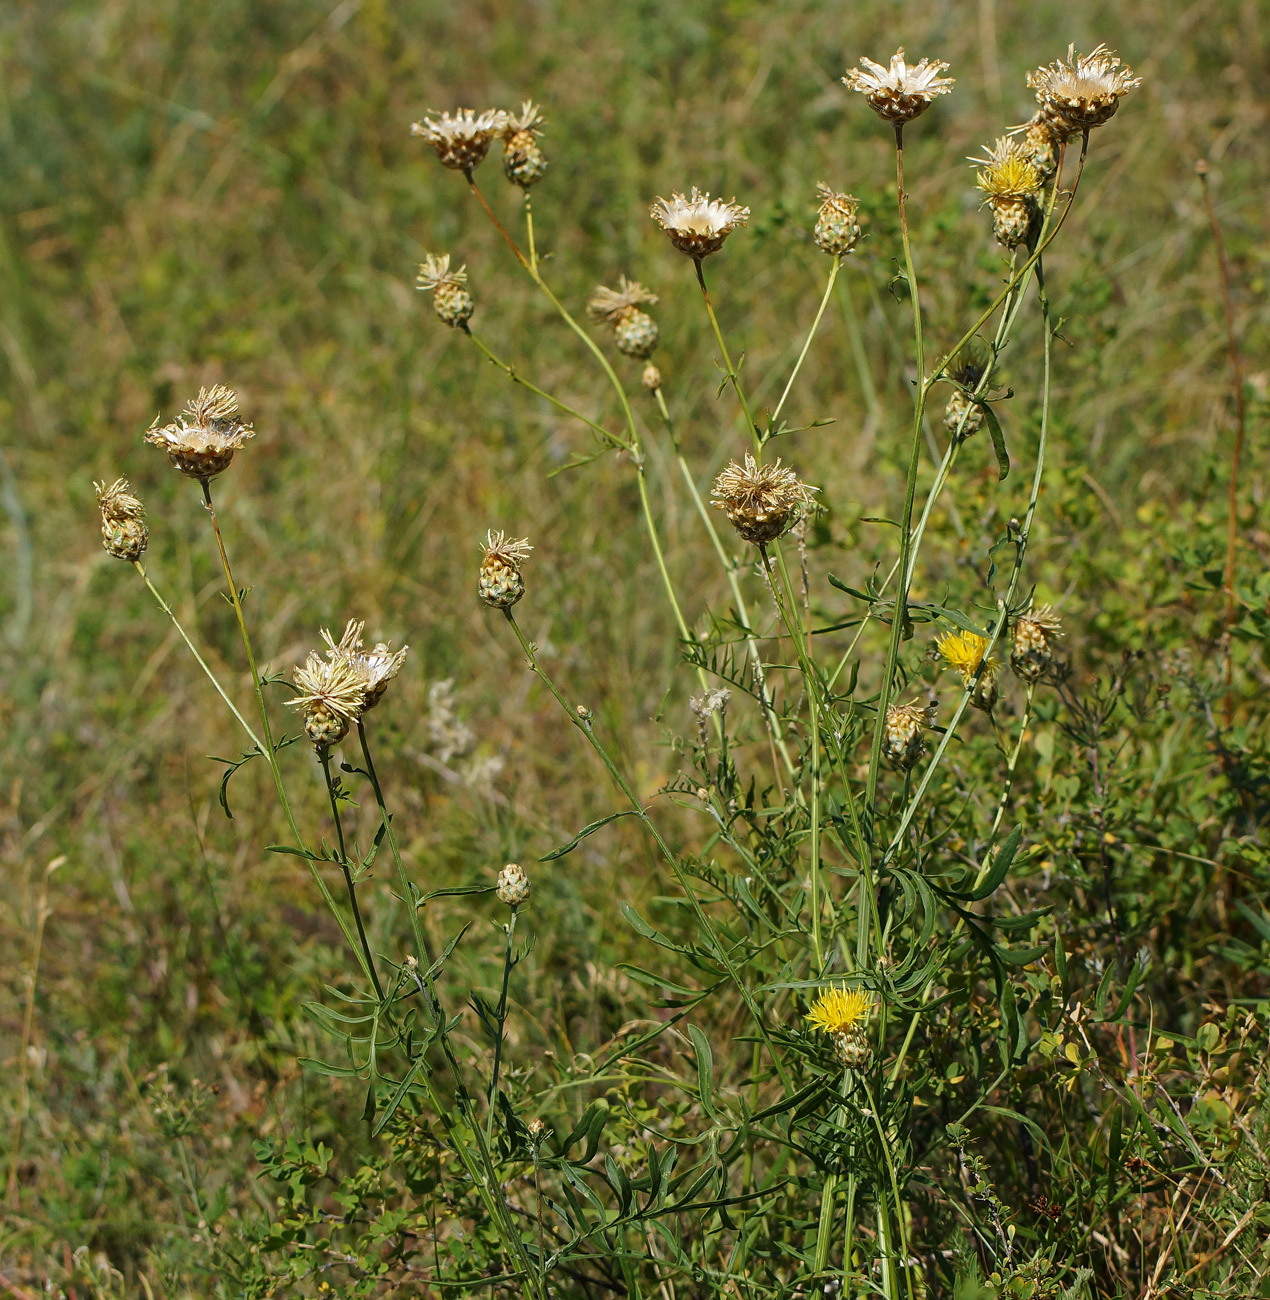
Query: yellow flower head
point(1008, 172)
point(964, 652)
point(841, 1010)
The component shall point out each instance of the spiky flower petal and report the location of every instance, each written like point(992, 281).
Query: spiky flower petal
point(965, 652)
point(376, 667)
point(1035, 632)
point(501, 582)
point(202, 440)
point(462, 138)
point(451, 300)
point(1008, 172)
point(840, 1010)
point(123, 520)
point(902, 91)
point(1084, 92)
point(837, 228)
point(523, 161)
point(761, 501)
point(332, 695)
point(698, 225)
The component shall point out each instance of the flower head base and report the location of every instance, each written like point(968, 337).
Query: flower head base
point(1082, 93)
point(1032, 655)
point(451, 299)
point(634, 330)
point(501, 583)
point(965, 652)
point(902, 741)
point(376, 667)
point(901, 92)
point(698, 225)
point(202, 440)
point(332, 694)
point(513, 885)
point(123, 520)
point(462, 138)
point(523, 161)
point(837, 228)
point(762, 501)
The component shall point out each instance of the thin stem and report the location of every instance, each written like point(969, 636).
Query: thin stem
point(730, 569)
point(811, 334)
point(270, 752)
point(730, 369)
point(529, 232)
point(325, 759)
point(198, 658)
point(895, 1187)
point(498, 225)
point(501, 1017)
point(581, 718)
point(422, 947)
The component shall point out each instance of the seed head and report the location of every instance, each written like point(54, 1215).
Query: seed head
point(513, 885)
point(901, 92)
point(902, 740)
point(462, 138)
point(523, 161)
point(376, 667)
point(840, 1010)
point(836, 226)
point(698, 225)
point(761, 501)
point(1082, 93)
point(451, 299)
point(501, 583)
point(123, 520)
point(202, 440)
point(634, 330)
point(1035, 632)
point(332, 694)
point(964, 652)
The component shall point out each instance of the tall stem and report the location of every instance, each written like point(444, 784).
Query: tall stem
point(325, 759)
point(501, 1018)
point(811, 334)
point(732, 375)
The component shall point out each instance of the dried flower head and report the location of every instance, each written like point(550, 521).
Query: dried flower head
point(501, 583)
point(902, 740)
point(462, 138)
point(202, 440)
point(1040, 143)
point(965, 652)
point(698, 225)
point(376, 667)
point(524, 163)
point(634, 330)
point(452, 301)
point(123, 520)
point(761, 501)
point(513, 885)
point(332, 694)
point(837, 227)
point(901, 92)
point(1084, 92)
point(1033, 652)
point(840, 1010)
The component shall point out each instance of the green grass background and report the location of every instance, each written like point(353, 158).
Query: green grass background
point(229, 192)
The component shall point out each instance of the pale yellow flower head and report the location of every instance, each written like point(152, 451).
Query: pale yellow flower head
point(902, 91)
point(462, 138)
point(1084, 92)
point(761, 501)
point(698, 225)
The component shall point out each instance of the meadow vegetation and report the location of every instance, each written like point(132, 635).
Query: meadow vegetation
point(786, 995)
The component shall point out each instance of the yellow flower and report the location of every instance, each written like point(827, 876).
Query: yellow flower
point(841, 1010)
point(964, 652)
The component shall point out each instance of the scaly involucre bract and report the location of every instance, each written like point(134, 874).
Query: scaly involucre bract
point(202, 440)
point(1083, 92)
point(123, 520)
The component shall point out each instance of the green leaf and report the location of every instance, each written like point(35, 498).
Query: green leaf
point(998, 441)
point(583, 833)
point(332, 1071)
point(705, 1069)
point(1005, 857)
point(395, 1100)
point(640, 926)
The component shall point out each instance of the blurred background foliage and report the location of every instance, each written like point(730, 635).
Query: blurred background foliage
point(225, 191)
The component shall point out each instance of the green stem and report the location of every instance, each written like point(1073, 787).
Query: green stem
point(581, 718)
point(811, 334)
point(895, 1188)
point(501, 1017)
point(529, 233)
point(198, 658)
point(730, 370)
point(324, 758)
point(269, 750)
